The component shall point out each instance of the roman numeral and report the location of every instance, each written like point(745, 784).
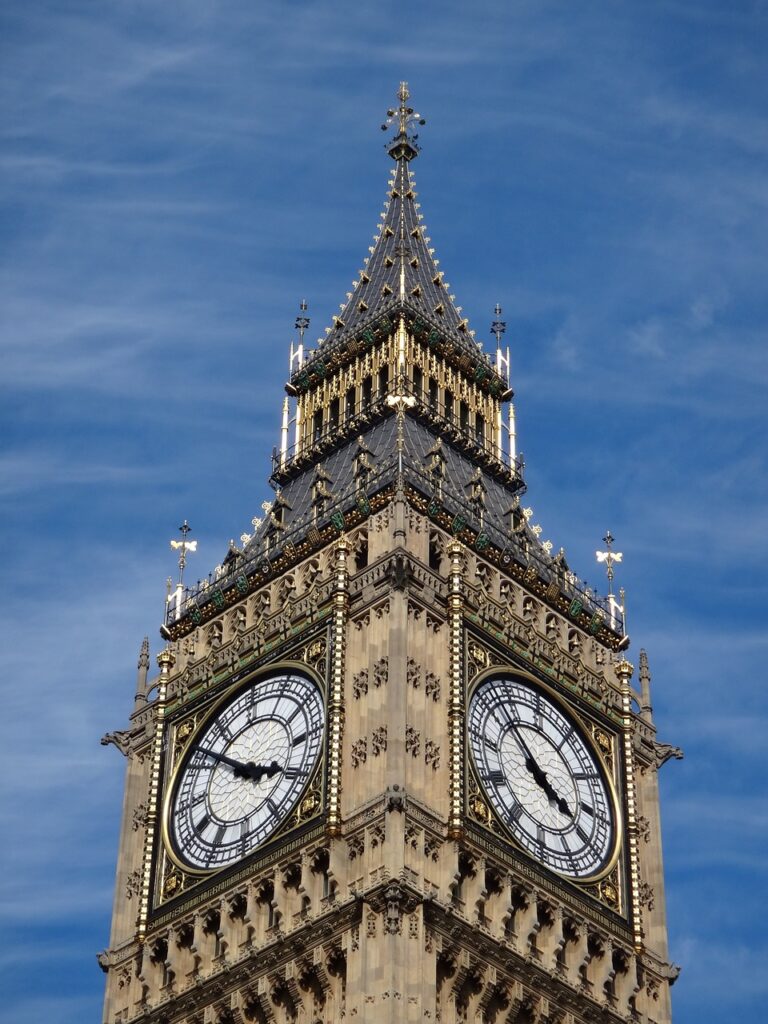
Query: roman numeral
point(514, 815)
point(497, 777)
point(297, 710)
point(187, 805)
point(202, 825)
point(582, 834)
point(566, 736)
point(538, 718)
point(298, 739)
point(587, 808)
point(296, 773)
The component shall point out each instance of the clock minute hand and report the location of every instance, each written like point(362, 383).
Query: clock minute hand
point(540, 777)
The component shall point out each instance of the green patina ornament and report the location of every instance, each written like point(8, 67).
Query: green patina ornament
point(458, 524)
point(595, 623)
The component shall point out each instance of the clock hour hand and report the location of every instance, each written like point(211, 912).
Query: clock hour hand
point(244, 770)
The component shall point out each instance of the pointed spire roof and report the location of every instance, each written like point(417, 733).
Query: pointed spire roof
point(401, 271)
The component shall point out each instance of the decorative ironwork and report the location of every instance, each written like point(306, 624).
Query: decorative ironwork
point(404, 145)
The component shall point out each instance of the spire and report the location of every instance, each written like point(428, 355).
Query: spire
point(401, 271)
point(646, 708)
point(141, 675)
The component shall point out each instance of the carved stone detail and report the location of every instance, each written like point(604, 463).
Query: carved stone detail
point(355, 846)
point(120, 739)
point(412, 741)
point(432, 686)
point(359, 752)
point(133, 884)
point(139, 818)
point(380, 672)
point(643, 828)
point(647, 895)
point(360, 684)
point(379, 740)
point(432, 754)
point(664, 752)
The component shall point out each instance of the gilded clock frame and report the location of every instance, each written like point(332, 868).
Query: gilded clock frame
point(609, 775)
point(224, 698)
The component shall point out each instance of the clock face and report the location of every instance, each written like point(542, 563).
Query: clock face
point(542, 777)
point(244, 771)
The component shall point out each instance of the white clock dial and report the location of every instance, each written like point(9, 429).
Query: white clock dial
point(245, 771)
point(542, 777)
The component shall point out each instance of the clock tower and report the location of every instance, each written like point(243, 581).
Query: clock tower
point(394, 765)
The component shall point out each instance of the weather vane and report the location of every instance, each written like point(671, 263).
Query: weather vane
point(498, 327)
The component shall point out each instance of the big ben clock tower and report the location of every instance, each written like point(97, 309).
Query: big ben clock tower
point(394, 765)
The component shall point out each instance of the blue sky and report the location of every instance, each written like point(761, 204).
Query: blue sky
point(175, 177)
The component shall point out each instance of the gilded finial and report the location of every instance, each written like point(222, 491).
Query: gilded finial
point(404, 145)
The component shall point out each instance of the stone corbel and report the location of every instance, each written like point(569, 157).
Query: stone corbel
point(468, 982)
point(395, 799)
point(285, 991)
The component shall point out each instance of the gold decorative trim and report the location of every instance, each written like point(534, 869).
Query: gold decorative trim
point(624, 671)
point(336, 701)
point(456, 693)
point(166, 660)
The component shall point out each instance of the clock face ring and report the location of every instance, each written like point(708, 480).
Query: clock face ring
point(542, 776)
point(244, 771)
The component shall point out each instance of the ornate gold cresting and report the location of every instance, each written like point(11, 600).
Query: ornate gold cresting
point(624, 671)
point(166, 660)
point(336, 701)
point(456, 700)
